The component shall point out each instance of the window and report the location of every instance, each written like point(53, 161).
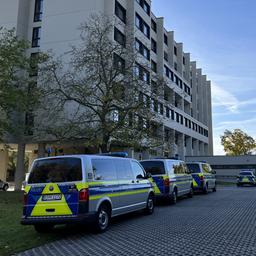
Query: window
point(172, 114)
point(144, 5)
point(184, 61)
point(166, 71)
point(165, 39)
point(167, 111)
point(104, 169)
point(166, 56)
point(194, 168)
point(36, 37)
point(65, 169)
point(161, 108)
point(142, 73)
point(38, 10)
point(156, 106)
point(175, 66)
point(119, 37)
point(206, 168)
point(119, 63)
point(137, 170)
point(124, 170)
point(153, 66)
point(153, 25)
point(120, 12)
point(142, 25)
point(153, 86)
point(175, 50)
point(153, 45)
point(154, 167)
point(142, 49)
point(178, 169)
point(181, 119)
point(177, 117)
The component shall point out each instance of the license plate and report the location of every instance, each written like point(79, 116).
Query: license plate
point(51, 197)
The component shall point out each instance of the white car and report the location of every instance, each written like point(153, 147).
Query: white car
point(4, 185)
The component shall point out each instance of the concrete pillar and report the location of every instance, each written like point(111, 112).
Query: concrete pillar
point(172, 145)
point(3, 164)
point(181, 149)
point(196, 148)
point(41, 150)
point(206, 152)
point(189, 150)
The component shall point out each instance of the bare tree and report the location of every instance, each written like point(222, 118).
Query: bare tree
point(99, 92)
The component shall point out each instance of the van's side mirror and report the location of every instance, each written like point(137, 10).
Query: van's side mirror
point(148, 175)
point(213, 172)
point(139, 177)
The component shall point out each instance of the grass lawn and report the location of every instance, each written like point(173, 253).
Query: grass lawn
point(15, 237)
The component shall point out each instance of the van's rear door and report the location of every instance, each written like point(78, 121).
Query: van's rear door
point(53, 187)
point(157, 170)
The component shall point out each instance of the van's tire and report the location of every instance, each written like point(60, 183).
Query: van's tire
point(150, 205)
point(5, 188)
point(174, 196)
point(43, 228)
point(215, 188)
point(191, 192)
point(102, 218)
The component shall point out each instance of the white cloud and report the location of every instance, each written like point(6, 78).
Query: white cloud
point(221, 97)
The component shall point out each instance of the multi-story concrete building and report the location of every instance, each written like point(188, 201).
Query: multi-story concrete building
point(186, 107)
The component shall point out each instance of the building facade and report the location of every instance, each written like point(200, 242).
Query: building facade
point(186, 108)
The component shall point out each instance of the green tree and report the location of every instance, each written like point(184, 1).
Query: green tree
point(237, 143)
point(19, 94)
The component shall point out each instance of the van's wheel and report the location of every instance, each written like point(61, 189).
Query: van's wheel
point(43, 228)
point(150, 205)
point(174, 196)
point(5, 188)
point(191, 192)
point(215, 188)
point(102, 218)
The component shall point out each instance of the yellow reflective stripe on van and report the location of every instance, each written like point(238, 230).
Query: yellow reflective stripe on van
point(195, 183)
point(82, 185)
point(60, 208)
point(118, 194)
point(27, 189)
point(155, 187)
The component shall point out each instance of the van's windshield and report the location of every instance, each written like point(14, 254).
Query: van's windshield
point(153, 167)
point(56, 170)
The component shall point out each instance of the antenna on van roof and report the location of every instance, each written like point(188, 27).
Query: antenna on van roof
point(115, 154)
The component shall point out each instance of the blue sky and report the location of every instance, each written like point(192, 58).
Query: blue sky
point(221, 37)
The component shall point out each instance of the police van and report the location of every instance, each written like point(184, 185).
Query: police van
point(246, 177)
point(203, 176)
point(171, 178)
point(71, 189)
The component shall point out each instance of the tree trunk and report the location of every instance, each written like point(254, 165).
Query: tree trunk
point(41, 150)
point(20, 170)
point(104, 148)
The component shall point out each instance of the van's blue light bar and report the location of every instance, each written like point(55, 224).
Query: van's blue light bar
point(116, 154)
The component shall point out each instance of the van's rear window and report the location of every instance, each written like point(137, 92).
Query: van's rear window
point(56, 170)
point(153, 167)
point(194, 168)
